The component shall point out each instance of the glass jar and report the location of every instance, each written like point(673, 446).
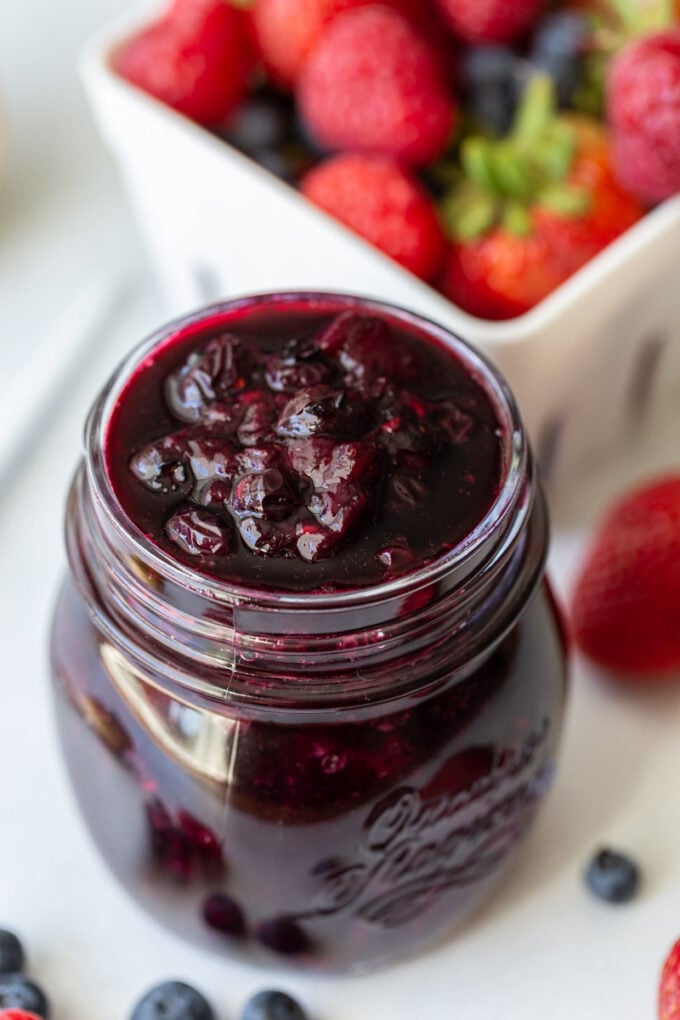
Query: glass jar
point(326, 779)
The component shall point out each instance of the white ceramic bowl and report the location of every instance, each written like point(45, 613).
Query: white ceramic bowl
point(585, 364)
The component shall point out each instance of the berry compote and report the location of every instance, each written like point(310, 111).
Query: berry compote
point(309, 676)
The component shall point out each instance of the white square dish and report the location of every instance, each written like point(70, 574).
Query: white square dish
point(585, 364)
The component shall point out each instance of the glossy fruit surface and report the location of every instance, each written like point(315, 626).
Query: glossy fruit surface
point(286, 453)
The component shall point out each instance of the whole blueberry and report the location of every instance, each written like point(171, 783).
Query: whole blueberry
point(273, 1005)
point(173, 1000)
point(11, 953)
point(612, 876)
point(17, 992)
point(490, 78)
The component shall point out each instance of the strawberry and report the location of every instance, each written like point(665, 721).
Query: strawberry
point(286, 31)
point(479, 21)
point(383, 203)
point(532, 209)
point(626, 601)
point(643, 108)
point(373, 84)
point(669, 986)
point(196, 58)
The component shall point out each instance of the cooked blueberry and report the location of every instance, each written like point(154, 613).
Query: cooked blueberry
point(490, 76)
point(273, 1005)
point(256, 420)
point(265, 537)
point(341, 509)
point(173, 1000)
point(264, 494)
point(327, 464)
point(11, 953)
point(369, 352)
point(612, 876)
point(199, 533)
point(208, 374)
point(315, 542)
point(323, 411)
point(223, 914)
point(17, 992)
point(298, 366)
point(162, 466)
point(284, 936)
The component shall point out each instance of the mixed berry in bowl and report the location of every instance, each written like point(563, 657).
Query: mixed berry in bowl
point(309, 677)
point(490, 148)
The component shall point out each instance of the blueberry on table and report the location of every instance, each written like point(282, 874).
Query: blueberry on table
point(612, 876)
point(11, 953)
point(18, 992)
point(273, 1005)
point(173, 1000)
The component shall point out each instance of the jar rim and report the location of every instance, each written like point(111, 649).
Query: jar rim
point(513, 455)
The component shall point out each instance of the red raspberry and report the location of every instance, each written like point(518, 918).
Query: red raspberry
point(197, 59)
point(643, 107)
point(384, 204)
point(489, 20)
point(373, 84)
point(669, 986)
point(626, 602)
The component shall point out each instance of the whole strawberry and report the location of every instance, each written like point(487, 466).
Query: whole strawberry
point(626, 601)
point(197, 58)
point(286, 31)
point(643, 108)
point(490, 20)
point(373, 84)
point(383, 203)
point(669, 986)
point(533, 208)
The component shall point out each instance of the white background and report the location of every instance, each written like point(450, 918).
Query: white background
point(72, 274)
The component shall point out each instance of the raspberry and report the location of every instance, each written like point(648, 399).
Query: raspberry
point(643, 107)
point(197, 59)
point(373, 84)
point(626, 603)
point(489, 20)
point(669, 985)
point(384, 204)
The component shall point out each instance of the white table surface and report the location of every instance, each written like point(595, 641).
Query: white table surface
point(543, 949)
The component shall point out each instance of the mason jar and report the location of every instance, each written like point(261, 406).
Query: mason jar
point(328, 778)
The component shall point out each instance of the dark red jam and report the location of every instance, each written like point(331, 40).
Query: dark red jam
point(281, 756)
point(304, 449)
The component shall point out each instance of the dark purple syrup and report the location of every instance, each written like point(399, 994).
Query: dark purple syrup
point(304, 449)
